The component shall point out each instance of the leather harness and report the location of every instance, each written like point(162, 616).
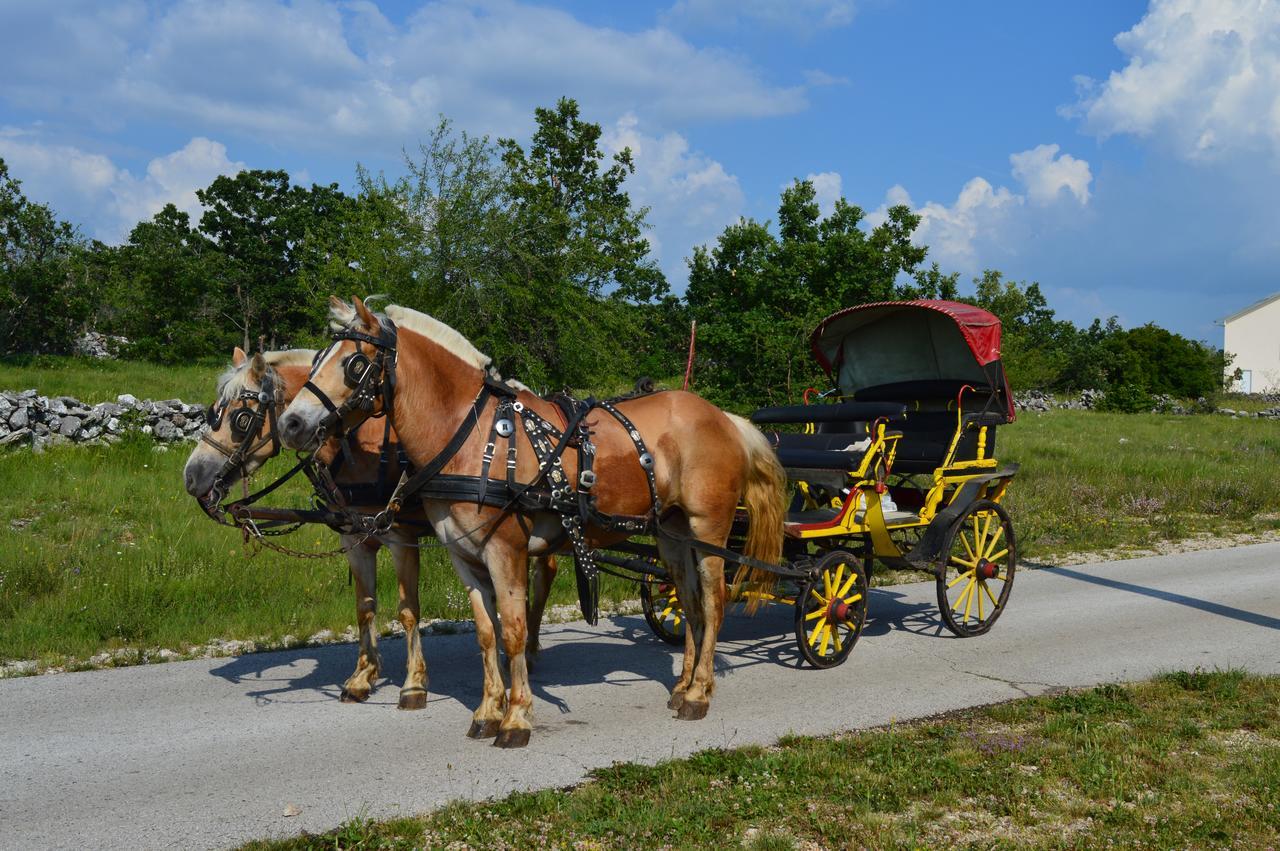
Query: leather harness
point(550, 490)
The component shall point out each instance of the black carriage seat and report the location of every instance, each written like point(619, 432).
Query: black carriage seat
point(842, 441)
point(931, 422)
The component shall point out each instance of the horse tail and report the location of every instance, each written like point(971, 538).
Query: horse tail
point(763, 494)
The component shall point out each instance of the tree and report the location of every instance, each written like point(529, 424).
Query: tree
point(757, 296)
point(46, 287)
point(269, 232)
point(169, 310)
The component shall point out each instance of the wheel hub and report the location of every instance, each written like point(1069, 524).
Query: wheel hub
point(838, 611)
point(987, 569)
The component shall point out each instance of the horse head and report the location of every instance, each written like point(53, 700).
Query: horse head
point(242, 432)
point(350, 381)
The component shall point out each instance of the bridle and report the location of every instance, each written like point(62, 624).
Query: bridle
point(368, 378)
point(246, 422)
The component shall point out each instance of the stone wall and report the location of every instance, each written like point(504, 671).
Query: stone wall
point(1038, 400)
point(29, 419)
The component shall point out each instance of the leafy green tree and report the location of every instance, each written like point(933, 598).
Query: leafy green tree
point(270, 231)
point(169, 310)
point(46, 287)
point(757, 296)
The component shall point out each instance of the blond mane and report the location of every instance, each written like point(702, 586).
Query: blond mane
point(343, 316)
point(232, 380)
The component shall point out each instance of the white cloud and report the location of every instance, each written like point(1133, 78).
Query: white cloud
point(793, 15)
point(827, 189)
point(1045, 174)
point(1203, 77)
point(86, 186)
point(324, 73)
point(979, 218)
point(691, 197)
point(172, 179)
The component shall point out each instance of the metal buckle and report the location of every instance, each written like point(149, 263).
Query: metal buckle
point(587, 479)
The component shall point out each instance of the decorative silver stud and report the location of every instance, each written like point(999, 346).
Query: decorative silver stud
point(646, 460)
point(504, 427)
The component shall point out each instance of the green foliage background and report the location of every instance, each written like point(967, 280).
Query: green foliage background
point(539, 256)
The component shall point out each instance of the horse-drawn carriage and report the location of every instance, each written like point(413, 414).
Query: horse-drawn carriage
point(895, 464)
point(899, 467)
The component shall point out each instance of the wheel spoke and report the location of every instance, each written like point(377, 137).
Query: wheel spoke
point(964, 593)
point(826, 583)
point(835, 583)
point(964, 575)
point(999, 555)
point(816, 613)
point(836, 635)
point(994, 605)
point(965, 540)
point(981, 584)
point(817, 630)
point(969, 564)
point(826, 639)
point(817, 596)
point(848, 583)
point(971, 588)
point(995, 539)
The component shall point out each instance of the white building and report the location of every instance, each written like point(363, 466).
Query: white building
point(1251, 337)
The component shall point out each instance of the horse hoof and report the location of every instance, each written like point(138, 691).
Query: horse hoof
point(693, 710)
point(512, 739)
point(483, 729)
point(676, 701)
point(413, 699)
point(349, 696)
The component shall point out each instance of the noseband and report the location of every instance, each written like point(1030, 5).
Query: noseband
point(246, 422)
point(367, 377)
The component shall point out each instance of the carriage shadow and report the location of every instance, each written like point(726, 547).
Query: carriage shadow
point(626, 653)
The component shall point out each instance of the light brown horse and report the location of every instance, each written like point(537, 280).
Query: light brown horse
point(705, 463)
point(287, 372)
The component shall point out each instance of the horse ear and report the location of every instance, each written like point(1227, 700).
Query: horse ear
point(257, 366)
point(371, 324)
point(337, 303)
point(238, 357)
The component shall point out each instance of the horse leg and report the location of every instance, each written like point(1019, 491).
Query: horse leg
point(363, 559)
point(511, 579)
point(678, 560)
point(488, 715)
point(413, 695)
point(709, 577)
point(542, 574)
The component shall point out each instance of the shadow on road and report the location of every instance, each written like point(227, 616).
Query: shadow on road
point(624, 654)
point(1169, 596)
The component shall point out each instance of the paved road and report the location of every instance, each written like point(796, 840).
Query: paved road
point(210, 753)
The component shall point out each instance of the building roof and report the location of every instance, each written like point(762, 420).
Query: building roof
point(1250, 309)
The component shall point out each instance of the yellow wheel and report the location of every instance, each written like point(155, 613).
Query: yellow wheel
point(831, 609)
point(981, 558)
point(662, 609)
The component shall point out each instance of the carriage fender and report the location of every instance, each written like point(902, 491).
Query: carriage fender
point(928, 549)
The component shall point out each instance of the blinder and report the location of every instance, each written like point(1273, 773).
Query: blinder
point(354, 369)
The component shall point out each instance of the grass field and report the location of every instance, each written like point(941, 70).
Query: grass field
point(101, 549)
point(91, 380)
point(1188, 760)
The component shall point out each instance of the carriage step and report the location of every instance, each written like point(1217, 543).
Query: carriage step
point(897, 517)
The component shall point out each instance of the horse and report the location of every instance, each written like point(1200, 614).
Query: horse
point(213, 462)
point(700, 463)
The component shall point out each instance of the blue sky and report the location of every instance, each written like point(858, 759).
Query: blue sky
point(1121, 153)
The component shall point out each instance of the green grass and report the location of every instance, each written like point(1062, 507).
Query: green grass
point(91, 380)
point(1092, 481)
point(100, 548)
point(1190, 759)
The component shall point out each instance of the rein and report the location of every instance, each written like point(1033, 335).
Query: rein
point(246, 423)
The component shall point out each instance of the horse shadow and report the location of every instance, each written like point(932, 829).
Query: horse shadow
point(577, 655)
